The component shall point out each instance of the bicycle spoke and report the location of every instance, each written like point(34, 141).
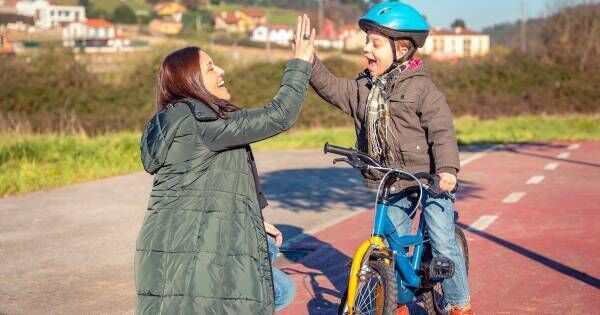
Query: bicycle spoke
point(368, 296)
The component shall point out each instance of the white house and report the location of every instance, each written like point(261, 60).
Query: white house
point(460, 42)
point(95, 35)
point(47, 15)
point(326, 42)
point(278, 34)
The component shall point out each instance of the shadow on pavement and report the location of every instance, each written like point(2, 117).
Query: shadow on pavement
point(517, 149)
point(325, 261)
point(552, 264)
point(315, 189)
point(318, 189)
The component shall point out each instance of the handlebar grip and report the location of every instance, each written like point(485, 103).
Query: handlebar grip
point(329, 148)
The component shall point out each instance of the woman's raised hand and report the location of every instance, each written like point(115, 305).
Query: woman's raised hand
point(304, 39)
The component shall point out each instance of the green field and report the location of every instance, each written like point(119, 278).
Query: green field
point(34, 162)
point(110, 5)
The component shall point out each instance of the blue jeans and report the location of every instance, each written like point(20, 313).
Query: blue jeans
point(285, 289)
point(439, 219)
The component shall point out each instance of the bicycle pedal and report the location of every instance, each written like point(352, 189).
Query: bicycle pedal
point(441, 268)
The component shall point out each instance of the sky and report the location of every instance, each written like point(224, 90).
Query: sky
point(478, 14)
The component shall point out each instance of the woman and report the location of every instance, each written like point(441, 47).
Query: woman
point(202, 248)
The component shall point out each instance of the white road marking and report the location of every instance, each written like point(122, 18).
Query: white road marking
point(535, 179)
point(573, 146)
point(479, 155)
point(551, 166)
point(482, 223)
point(564, 155)
point(513, 197)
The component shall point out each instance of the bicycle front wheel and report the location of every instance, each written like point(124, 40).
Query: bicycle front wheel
point(376, 292)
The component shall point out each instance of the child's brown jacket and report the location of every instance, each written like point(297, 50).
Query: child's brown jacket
point(423, 137)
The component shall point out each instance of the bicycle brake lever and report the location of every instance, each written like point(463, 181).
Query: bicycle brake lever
point(341, 160)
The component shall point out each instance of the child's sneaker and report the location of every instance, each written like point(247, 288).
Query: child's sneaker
point(465, 310)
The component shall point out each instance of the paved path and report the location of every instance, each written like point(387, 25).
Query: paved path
point(532, 215)
point(70, 250)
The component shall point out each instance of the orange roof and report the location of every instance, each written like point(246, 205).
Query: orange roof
point(227, 17)
point(253, 12)
point(279, 27)
point(98, 23)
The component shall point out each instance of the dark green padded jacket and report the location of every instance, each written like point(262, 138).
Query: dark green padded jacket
point(202, 248)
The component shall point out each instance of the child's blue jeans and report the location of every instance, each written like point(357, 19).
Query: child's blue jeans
point(285, 289)
point(439, 216)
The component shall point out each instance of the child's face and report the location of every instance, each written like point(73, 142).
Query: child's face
point(378, 51)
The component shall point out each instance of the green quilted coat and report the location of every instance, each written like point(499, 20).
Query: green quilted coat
point(202, 248)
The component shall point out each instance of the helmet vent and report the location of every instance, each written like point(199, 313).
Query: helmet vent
point(383, 11)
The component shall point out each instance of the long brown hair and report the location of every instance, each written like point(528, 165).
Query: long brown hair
point(180, 77)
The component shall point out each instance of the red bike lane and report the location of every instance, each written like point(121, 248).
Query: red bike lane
point(531, 214)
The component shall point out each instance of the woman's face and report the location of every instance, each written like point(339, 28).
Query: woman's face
point(212, 77)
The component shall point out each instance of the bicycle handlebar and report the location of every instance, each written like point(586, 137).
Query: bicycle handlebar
point(351, 154)
point(361, 161)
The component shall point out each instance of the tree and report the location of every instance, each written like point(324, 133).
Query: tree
point(124, 14)
point(458, 23)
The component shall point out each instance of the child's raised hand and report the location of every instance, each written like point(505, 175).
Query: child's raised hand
point(447, 181)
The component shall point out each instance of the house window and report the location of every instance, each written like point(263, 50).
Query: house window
point(467, 47)
point(438, 44)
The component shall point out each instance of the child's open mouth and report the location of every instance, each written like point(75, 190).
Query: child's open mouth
point(372, 63)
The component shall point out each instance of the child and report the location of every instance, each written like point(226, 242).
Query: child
point(403, 120)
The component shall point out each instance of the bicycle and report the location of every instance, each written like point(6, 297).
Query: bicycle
point(382, 273)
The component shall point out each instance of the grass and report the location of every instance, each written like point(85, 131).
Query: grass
point(110, 5)
point(34, 162)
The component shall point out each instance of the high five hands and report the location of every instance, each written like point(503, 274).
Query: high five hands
point(303, 43)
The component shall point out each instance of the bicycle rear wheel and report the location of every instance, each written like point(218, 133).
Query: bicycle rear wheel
point(376, 293)
point(434, 298)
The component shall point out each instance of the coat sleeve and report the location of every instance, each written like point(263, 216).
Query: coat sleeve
point(339, 92)
point(251, 125)
point(436, 119)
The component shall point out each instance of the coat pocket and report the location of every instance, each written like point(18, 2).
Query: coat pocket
point(415, 152)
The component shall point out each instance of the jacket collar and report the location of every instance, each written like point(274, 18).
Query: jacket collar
point(200, 110)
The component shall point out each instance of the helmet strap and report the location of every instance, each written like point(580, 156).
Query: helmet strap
point(396, 62)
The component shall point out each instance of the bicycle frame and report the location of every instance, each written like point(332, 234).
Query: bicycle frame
point(405, 266)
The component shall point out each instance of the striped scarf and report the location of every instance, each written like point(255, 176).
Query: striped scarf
point(378, 116)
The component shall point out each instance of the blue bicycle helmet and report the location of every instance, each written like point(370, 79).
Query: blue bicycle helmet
point(397, 21)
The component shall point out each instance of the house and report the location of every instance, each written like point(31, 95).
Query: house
point(327, 42)
point(328, 36)
point(457, 43)
point(165, 26)
point(6, 47)
point(278, 34)
point(47, 15)
point(94, 35)
point(257, 16)
point(171, 10)
point(8, 6)
point(240, 21)
point(13, 21)
point(352, 36)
